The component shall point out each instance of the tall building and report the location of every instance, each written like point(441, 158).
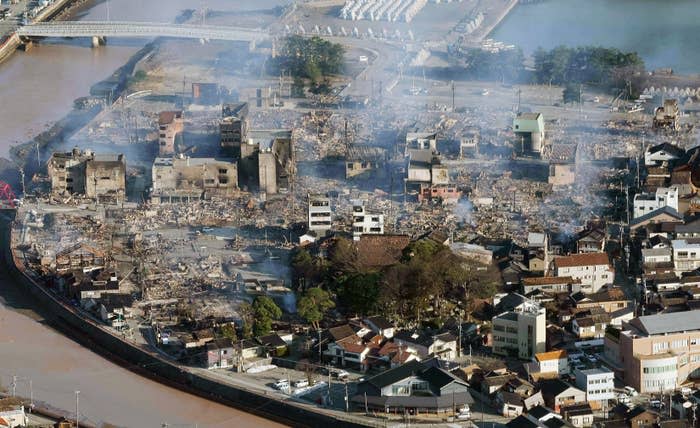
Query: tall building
point(659, 352)
point(320, 215)
point(520, 328)
point(365, 222)
point(170, 123)
point(85, 173)
point(234, 128)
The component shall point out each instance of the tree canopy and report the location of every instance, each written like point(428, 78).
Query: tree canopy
point(265, 310)
point(311, 58)
point(313, 305)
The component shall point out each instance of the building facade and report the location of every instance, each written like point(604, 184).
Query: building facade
point(170, 124)
point(320, 215)
point(592, 269)
point(183, 178)
point(365, 222)
point(96, 176)
point(520, 332)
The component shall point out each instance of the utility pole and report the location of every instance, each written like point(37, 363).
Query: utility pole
point(453, 96)
point(38, 155)
point(347, 403)
point(21, 173)
point(14, 385)
point(459, 338)
point(77, 409)
point(31, 395)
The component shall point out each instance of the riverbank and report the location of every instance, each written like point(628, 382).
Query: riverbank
point(139, 359)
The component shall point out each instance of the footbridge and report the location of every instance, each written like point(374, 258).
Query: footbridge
point(102, 30)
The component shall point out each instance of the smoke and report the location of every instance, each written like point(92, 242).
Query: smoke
point(463, 211)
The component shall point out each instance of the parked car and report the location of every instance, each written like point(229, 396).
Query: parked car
point(302, 383)
point(341, 375)
point(282, 384)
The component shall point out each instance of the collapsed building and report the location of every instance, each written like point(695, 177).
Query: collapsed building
point(420, 141)
point(529, 132)
point(364, 161)
point(469, 143)
point(428, 178)
point(562, 165)
point(266, 160)
point(233, 128)
point(170, 124)
point(96, 176)
point(183, 178)
point(667, 116)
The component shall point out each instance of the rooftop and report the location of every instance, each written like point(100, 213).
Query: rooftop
point(667, 323)
point(584, 259)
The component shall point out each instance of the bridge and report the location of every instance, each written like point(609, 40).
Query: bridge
point(101, 30)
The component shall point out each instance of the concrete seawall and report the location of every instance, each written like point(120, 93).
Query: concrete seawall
point(500, 15)
point(152, 365)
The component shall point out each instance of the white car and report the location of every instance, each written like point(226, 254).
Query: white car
point(302, 383)
point(282, 384)
point(631, 391)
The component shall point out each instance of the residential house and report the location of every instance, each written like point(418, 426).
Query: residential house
point(590, 323)
point(664, 214)
point(509, 404)
point(591, 240)
point(425, 345)
point(551, 284)
point(555, 362)
point(346, 348)
point(274, 345)
point(557, 393)
point(610, 300)
point(417, 386)
point(13, 416)
point(663, 153)
point(579, 415)
point(686, 254)
point(220, 353)
point(380, 326)
point(396, 355)
point(593, 269)
point(639, 417)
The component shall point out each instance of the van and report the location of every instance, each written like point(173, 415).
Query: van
point(282, 384)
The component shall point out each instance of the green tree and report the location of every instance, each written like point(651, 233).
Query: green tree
point(298, 88)
point(229, 331)
point(360, 292)
point(571, 93)
point(247, 314)
point(265, 311)
point(313, 305)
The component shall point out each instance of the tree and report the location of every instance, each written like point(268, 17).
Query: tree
point(343, 257)
point(298, 88)
point(360, 292)
point(229, 331)
point(248, 317)
point(571, 93)
point(264, 310)
point(313, 305)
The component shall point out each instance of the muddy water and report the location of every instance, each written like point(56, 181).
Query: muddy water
point(37, 88)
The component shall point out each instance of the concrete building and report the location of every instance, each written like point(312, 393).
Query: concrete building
point(645, 203)
point(233, 128)
point(469, 143)
point(593, 269)
point(686, 254)
point(320, 214)
point(521, 331)
point(267, 160)
point(421, 141)
point(667, 116)
point(170, 124)
point(658, 352)
point(364, 161)
point(598, 384)
point(97, 176)
point(428, 178)
point(182, 178)
point(365, 222)
point(529, 132)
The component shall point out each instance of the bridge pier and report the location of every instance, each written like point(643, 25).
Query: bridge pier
point(98, 41)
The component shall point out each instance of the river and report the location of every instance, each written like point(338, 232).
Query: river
point(663, 32)
point(37, 88)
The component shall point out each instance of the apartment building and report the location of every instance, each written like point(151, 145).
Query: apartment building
point(598, 384)
point(686, 254)
point(521, 331)
point(658, 352)
point(645, 203)
point(593, 269)
point(365, 222)
point(320, 215)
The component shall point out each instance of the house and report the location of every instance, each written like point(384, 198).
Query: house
point(381, 326)
point(220, 353)
point(591, 241)
point(420, 141)
point(641, 417)
point(555, 362)
point(540, 416)
point(249, 349)
point(551, 284)
point(557, 393)
point(610, 300)
point(593, 269)
point(12, 415)
point(686, 254)
point(579, 415)
point(425, 345)
point(396, 355)
point(664, 214)
point(417, 387)
point(509, 404)
point(182, 178)
point(662, 153)
point(267, 161)
point(170, 125)
point(273, 344)
point(519, 331)
point(346, 348)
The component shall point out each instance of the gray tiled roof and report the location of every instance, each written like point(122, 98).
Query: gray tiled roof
point(668, 323)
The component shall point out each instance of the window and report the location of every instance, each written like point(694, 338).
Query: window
point(162, 135)
point(223, 171)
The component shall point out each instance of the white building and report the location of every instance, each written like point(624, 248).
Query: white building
point(555, 362)
point(598, 383)
point(662, 153)
point(593, 269)
point(686, 255)
point(320, 215)
point(644, 203)
point(365, 222)
point(14, 418)
point(521, 331)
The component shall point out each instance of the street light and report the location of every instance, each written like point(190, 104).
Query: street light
point(77, 409)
